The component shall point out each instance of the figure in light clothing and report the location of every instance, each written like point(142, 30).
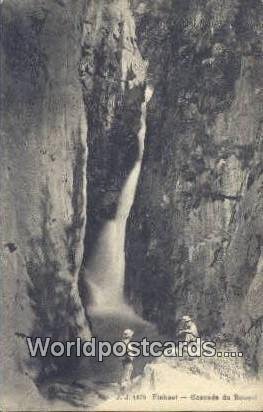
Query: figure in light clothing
point(127, 362)
point(188, 331)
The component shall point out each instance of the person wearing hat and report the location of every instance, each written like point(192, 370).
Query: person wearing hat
point(188, 331)
point(127, 361)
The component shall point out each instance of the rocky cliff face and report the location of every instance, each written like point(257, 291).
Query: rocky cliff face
point(113, 74)
point(43, 178)
point(194, 240)
point(112, 71)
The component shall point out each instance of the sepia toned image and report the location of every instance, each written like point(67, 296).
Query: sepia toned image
point(131, 205)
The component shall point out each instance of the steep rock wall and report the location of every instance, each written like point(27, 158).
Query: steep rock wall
point(42, 177)
point(194, 237)
point(113, 75)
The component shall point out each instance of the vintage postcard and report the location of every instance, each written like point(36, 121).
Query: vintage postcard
point(131, 205)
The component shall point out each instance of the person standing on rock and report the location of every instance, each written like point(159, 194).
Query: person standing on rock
point(188, 330)
point(127, 361)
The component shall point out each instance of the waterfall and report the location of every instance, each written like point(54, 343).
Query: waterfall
point(106, 268)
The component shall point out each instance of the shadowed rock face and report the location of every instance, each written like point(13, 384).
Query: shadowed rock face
point(42, 177)
point(113, 75)
point(194, 237)
point(44, 158)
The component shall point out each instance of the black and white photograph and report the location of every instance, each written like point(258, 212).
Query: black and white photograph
point(131, 205)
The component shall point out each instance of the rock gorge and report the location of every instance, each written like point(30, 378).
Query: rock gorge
point(194, 238)
point(73, 80)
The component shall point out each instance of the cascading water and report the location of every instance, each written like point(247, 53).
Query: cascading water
point(104, 275)
point(105, 270)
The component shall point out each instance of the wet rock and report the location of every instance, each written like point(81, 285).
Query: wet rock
point(200, 253)
point(43, 112)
